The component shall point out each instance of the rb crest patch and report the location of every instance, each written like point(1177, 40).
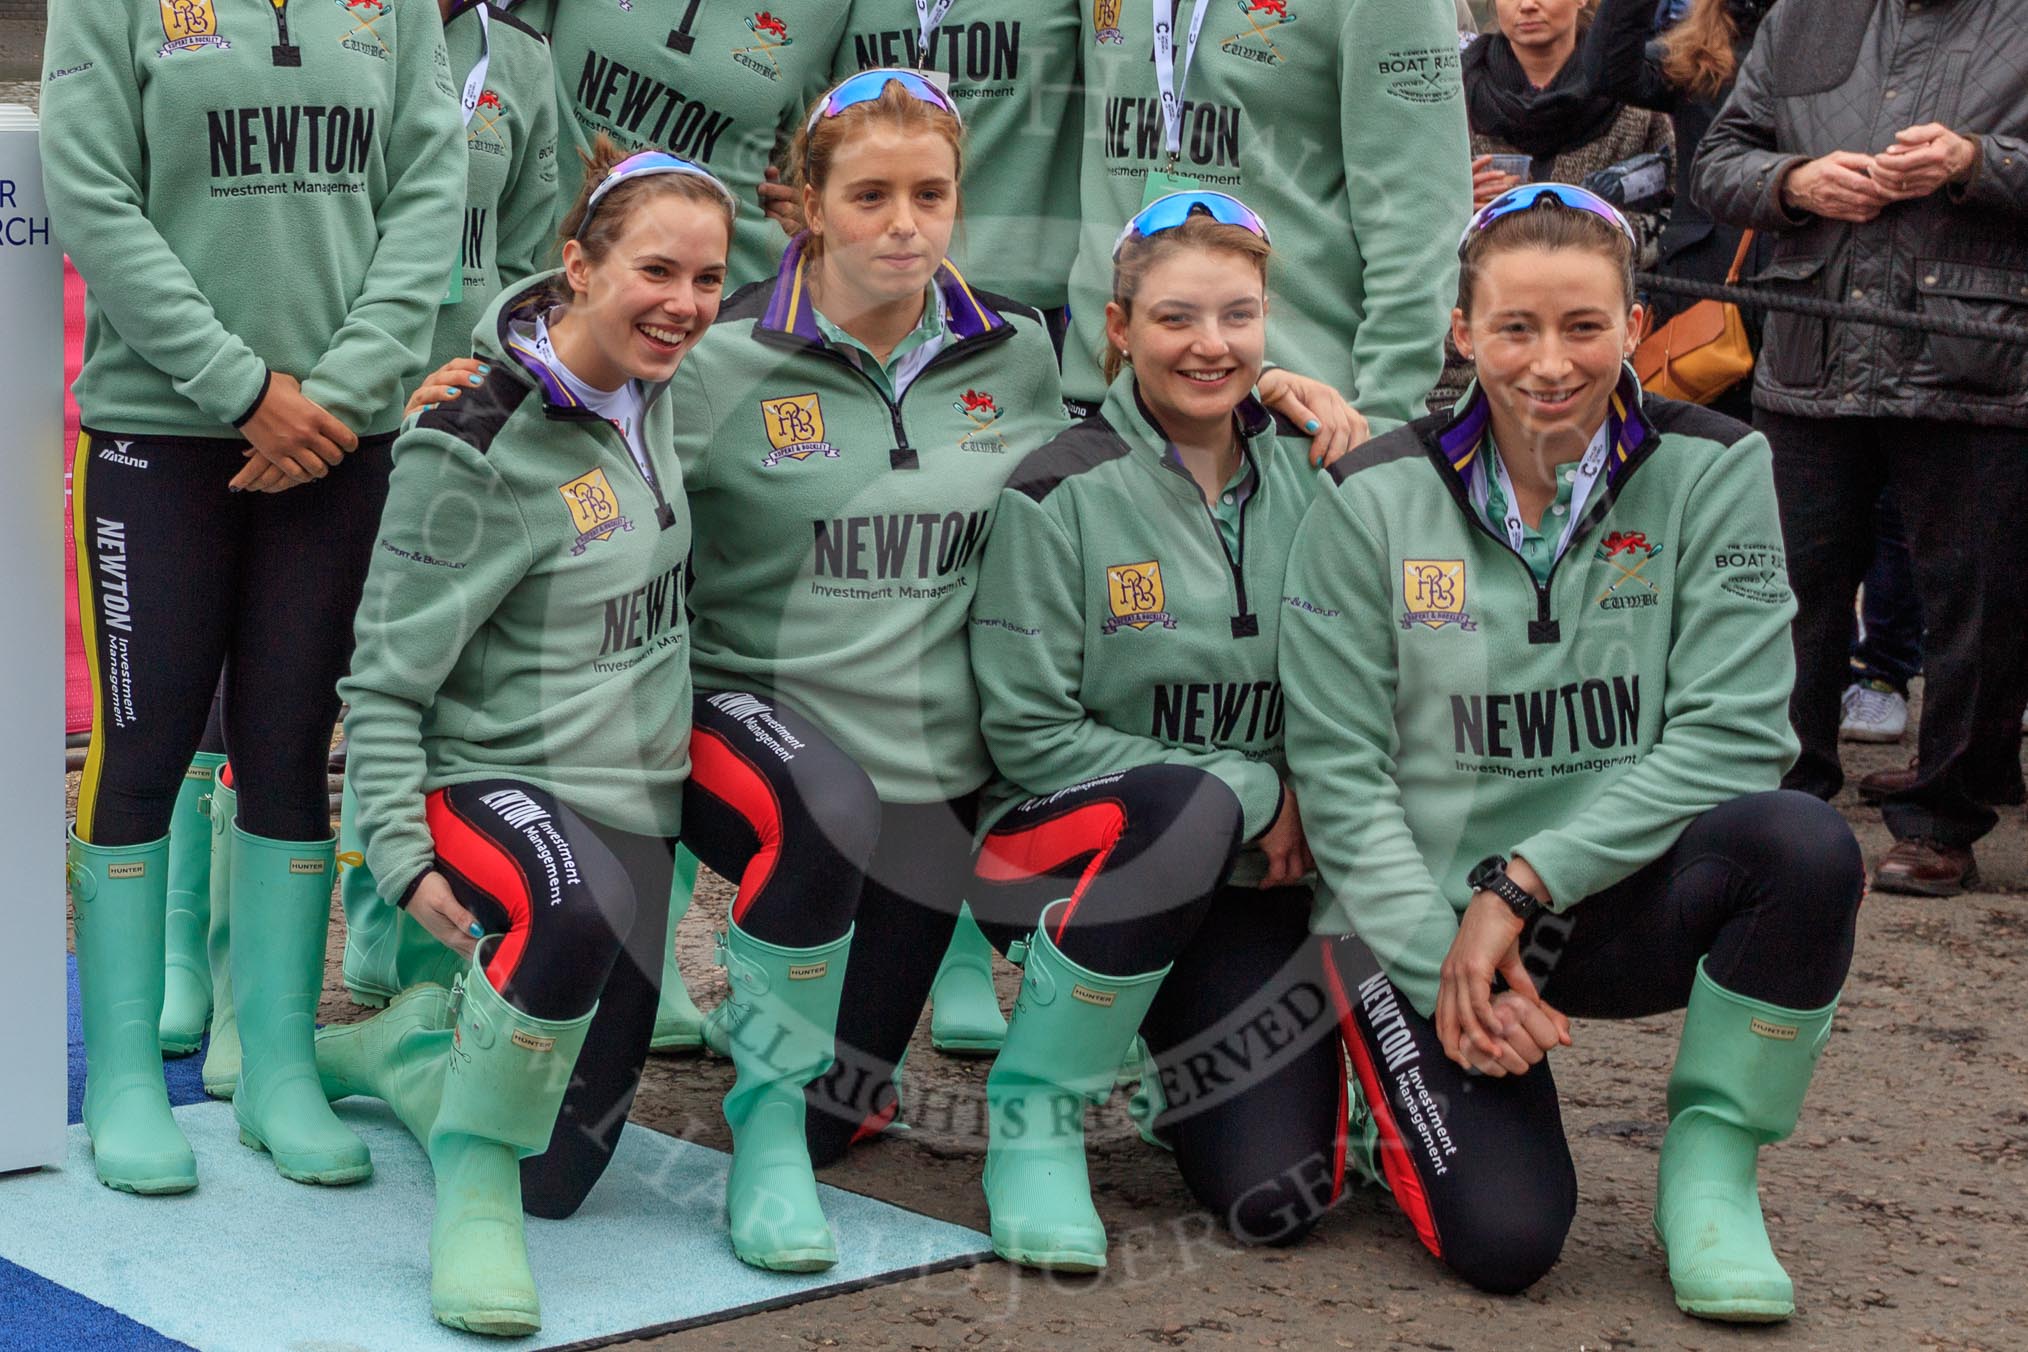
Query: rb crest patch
point(795, 428)
point(1433, 594)
point(188, 25)
point(594, 509)
point(1134, 591)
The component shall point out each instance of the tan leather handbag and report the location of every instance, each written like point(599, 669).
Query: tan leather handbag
point(1702, 352)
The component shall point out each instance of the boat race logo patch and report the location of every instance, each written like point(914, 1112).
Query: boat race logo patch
point(1257, 41)
point(365, 37)
point(795, 427)
point(1135, 593)
point(1628, 552)
point(770, 35)
point(487, 115)
point(594, 509)
point(1105, 22)
point(981, 412)
point(188, 25)
point(1433, 594)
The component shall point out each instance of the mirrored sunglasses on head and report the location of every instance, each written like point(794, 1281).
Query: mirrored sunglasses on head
point(1166, 213)
point(648, 164)
point(868, 85)
point(1532, 195)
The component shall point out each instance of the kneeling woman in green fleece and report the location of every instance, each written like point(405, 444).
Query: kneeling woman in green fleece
point(852, 421)
point(1123, 643)
point(520, 705)
point(1538, 666)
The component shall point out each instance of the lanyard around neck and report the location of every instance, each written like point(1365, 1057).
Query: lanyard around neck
point(929, 17)
point(475, 83)
point(1168, 78)
point(1589, 470)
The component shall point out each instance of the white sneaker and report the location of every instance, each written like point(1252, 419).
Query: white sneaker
point(1872, 712)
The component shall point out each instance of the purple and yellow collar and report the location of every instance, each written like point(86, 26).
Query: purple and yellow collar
point(1628, 428)
point(790, 310)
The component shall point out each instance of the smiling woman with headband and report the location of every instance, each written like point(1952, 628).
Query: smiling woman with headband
point(519, 759)
point(1123, 643)
point(1538, 664)
point(853, 422)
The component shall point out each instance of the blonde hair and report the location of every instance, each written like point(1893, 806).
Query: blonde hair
point(604, 229)
point(1138, 257)
point(1697, 51)
point(811, 153)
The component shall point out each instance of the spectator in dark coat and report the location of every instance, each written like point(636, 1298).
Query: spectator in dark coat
point(1932, 217)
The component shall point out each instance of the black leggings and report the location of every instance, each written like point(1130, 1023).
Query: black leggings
point(179, 578)
point(1243, 1037)
point(578, 912)
point(1765, 889)
point(775, 806)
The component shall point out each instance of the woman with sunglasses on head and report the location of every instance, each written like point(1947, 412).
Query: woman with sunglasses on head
point(1144, 849)
point(518, 753)
point(1538, 665)
point(1014, 72)
point(262, 206)
point(1341, 120)
point(854, 421)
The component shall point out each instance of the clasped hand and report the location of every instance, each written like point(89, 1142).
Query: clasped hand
point(1503, 1034)
point(1848, 186)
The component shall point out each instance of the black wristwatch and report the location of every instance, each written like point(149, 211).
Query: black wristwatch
point(1491, 876)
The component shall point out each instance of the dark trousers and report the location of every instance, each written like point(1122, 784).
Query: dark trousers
point(1963, 493)
point(1889, 649)
point(1763, 890)
point(179, 579)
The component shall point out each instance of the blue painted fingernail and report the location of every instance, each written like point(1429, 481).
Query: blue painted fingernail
point(478, 380)
point(475, 931)
point(1310, 426)
point(450, 393)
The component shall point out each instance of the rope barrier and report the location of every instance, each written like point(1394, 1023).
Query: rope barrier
point(1752, 298)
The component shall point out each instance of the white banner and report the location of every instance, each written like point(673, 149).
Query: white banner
point(32, 1047)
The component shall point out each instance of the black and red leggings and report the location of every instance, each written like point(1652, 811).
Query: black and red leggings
point(1764, 889)
point(1243, 1035)
point(576, 913)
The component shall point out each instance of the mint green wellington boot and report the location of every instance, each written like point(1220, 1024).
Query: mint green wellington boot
point(679, 1023)
point(965, 1015)
point(1064, 1047)
point(1738, 1084)
point(116, 893)
point(386, 951)
point(221, 1055)
point(398, 1056)
point(281, 910)
point(784, 1026)
point(716, 1032)
point(186, 967)
point(503, 1082)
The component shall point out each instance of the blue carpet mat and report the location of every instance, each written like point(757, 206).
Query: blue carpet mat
point(282, 1265)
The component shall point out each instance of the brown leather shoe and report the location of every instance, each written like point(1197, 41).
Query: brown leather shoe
point(1878, 785)
point(1925, 868)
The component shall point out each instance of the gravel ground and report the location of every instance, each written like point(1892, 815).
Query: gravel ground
point(1900, 1207)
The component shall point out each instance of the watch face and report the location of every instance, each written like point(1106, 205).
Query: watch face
point(1482, 876)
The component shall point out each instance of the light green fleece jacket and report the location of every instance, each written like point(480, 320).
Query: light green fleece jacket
point(248, 186)
point(523, 617)
point(510, 170)
point(1444, 706)
point(1114, 628)
point(1342, 122)
point(1013, 72)
point(839, 532)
